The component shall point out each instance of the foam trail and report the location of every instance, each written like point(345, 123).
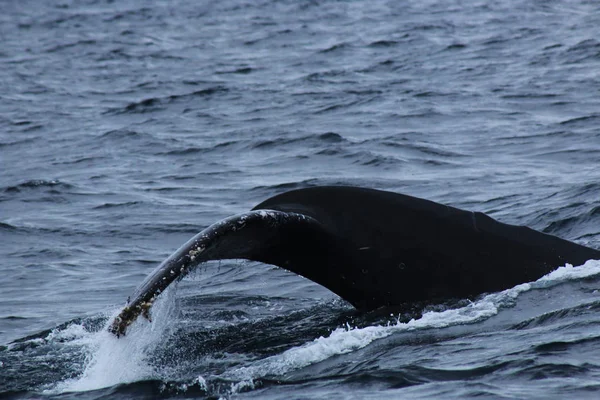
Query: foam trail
point(112, 360)
point(568, 272)
point(342, 341)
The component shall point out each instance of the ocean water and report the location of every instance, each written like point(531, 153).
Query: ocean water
point(128, 126)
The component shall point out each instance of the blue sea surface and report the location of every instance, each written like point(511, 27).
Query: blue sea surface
point(126, 127)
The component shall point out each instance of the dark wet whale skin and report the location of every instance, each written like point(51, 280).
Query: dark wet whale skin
point(406, 249)
point(372, 248)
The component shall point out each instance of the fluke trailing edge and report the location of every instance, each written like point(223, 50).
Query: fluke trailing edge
point(372, 248)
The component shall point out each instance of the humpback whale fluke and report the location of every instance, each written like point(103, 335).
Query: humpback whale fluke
point(372, 248)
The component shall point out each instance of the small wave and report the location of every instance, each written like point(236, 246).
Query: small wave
point(7, 227)
point(113, 205)
point(133, 13)
point(370, 159)
point(422, 147)
point(381, 66)
point(383, 43)
point(559, 346)
point(79, 160)
point(343, 105)
point(187, 151)
point(553, 370)
point(158, 103)
point(585, 50)
point(22, 123)
point(574, 221)
point(145, 105)
point(331, 137)
point(37, 184)
point(578, 120)
point(348, 339)
point(18, 142)
point(337, 46)
point(431, 93)
point(558, 315)
point(120, 135)
point(456, 46)
point(13, 318)
point(310, 140)
point(408, 376)
point(530, 96)
point(64, 46)
point(115, 362)
point(321, 76)
point(238, 71)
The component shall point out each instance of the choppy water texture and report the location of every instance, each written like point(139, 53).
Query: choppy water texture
point(126, 127)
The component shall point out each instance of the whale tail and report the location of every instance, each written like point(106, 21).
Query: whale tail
point(370, 247)
point(292, 241)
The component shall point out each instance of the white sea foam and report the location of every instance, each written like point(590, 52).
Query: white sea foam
point(110, 360)
point(568, 272)
point(113, 361)
point(345, 340)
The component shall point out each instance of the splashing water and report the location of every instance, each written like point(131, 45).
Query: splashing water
point(345, 340)
point(113, 361)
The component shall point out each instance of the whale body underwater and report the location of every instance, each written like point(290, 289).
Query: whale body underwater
point(372, 248)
